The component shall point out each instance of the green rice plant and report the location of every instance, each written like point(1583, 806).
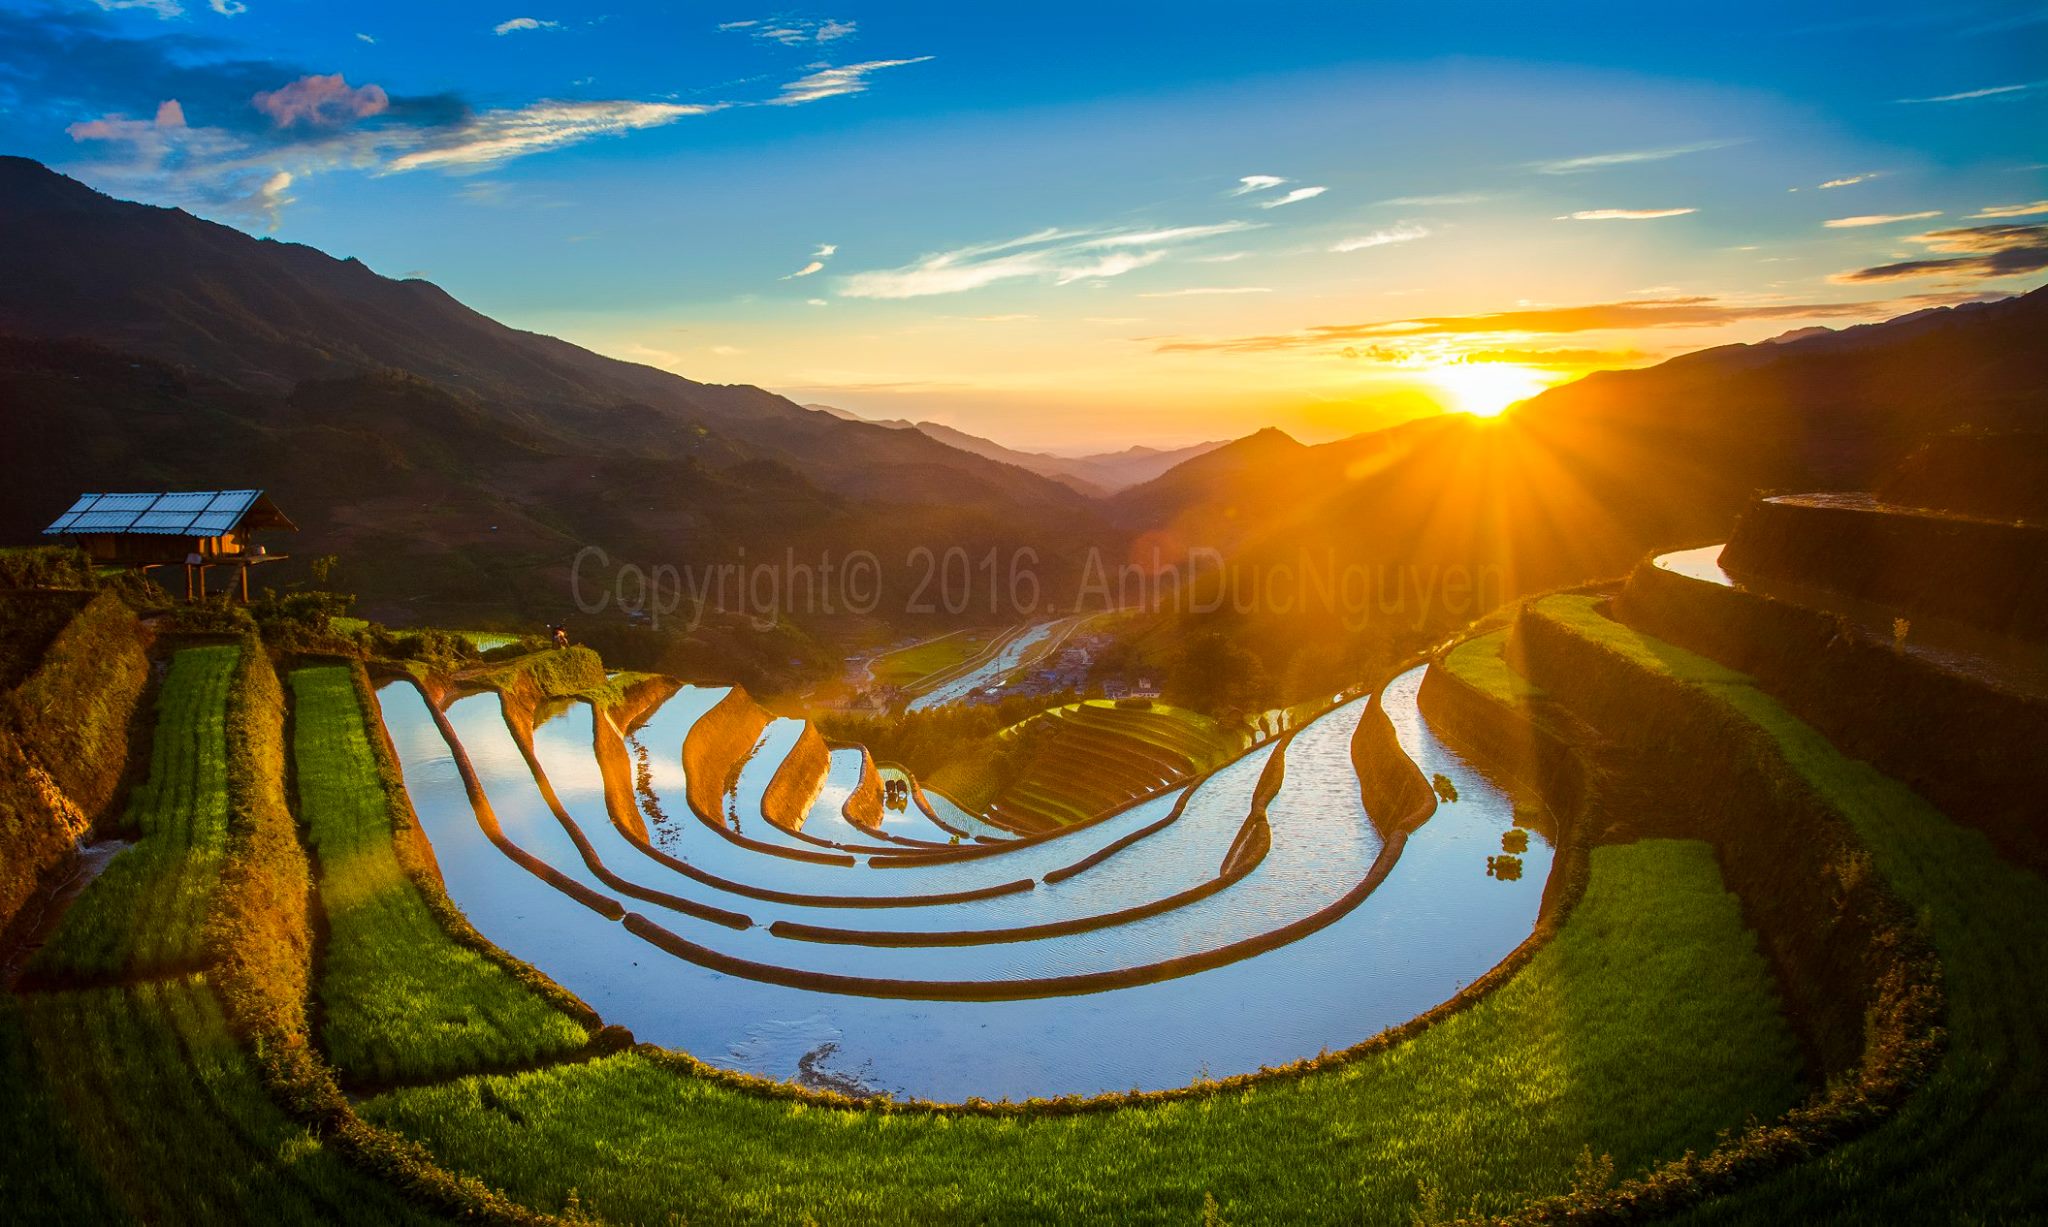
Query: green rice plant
point(400, 998)
point(146, 914)
point(45, 1176)
point(156, 1095)
point(1647, 1025)
point(1967, 1145)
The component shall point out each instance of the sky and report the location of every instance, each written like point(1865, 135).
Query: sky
point(1078, 227)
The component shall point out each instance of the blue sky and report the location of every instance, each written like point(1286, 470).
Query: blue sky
point(1072, 225)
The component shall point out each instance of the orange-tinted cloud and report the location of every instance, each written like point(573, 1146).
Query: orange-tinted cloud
point(321, 102)
point(1695, 312)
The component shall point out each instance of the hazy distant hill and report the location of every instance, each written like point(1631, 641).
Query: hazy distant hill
point(396, 424)
point(1094, 474)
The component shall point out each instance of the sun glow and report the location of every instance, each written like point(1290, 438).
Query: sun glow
point(1486, 389)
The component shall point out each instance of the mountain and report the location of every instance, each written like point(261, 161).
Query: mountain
point(146, 347)
point(1095, 474)
point(1581, 481)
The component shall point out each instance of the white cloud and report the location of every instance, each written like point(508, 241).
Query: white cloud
point(270, 198)
point(498, 136)
point(366, 38)
point(1060, 257)
point(228, 8)
point(816, 302)
point(523, 23)
point(1847, 181)
point(1406, 232)
point(1297, 195)
point(165, 9)
point(1601, 161)
point(1256, 183)
point(1877, 219)
point(832, 82)
point(2012, 210)
point(793, 31)
point(1996, 91)
point(1623, 215)
point(824, 252)
point(1203, 290)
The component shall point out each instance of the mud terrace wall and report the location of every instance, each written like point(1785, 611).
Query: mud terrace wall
point(1811, 894)
point(64, 736)
point(1991, 575)
point(1973, 749)
point(717, 745)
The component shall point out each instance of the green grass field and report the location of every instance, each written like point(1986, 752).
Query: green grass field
point(1958, 1150)
point(921, 660)
point(162, 1107)
point(146, 914)
point(1649, 1024)
point(399, 997)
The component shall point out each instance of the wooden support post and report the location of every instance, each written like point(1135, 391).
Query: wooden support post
point(188, 583)
point(244, 569)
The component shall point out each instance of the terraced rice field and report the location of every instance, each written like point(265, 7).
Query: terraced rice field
point(1953, 1142)
point(166, 1120)
point(900, 967)
point(1094, 757)
point(146, 913)
point(400, 998)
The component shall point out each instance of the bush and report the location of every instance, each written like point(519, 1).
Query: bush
point(47, 566)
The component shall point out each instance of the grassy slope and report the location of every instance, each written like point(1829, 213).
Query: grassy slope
point(1966, 1147)
point(400, 998)
point(1646, 1026)
point(146, 913)
point(1480, 663)
point(168, 1110)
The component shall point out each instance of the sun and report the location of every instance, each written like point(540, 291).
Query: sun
point(1486, 389)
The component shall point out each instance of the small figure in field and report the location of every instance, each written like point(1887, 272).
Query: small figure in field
point(561, 636)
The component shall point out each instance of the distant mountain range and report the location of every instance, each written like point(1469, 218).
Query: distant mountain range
point(458, 465)
point(1096, 474)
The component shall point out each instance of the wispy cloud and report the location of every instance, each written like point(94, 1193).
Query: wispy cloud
point(1623, 215)
point(1256, 183)
point(1975, 253)
point(514, 132)
point(2012, 210)
point(833, 82)
point(1878, 219)
point(1199, 291)
point(792, 31)
point(1294, 197)
point(1601, 161)
point(364, 38)
point(1406, 232)
point(1060, 257)
point(523, 23)
point(1972, 95)
point(1685, 312)
point(824, 252)
point(1849, 180)
point(1447, 198)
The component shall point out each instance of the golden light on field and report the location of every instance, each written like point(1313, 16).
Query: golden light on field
point(1486, 389)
